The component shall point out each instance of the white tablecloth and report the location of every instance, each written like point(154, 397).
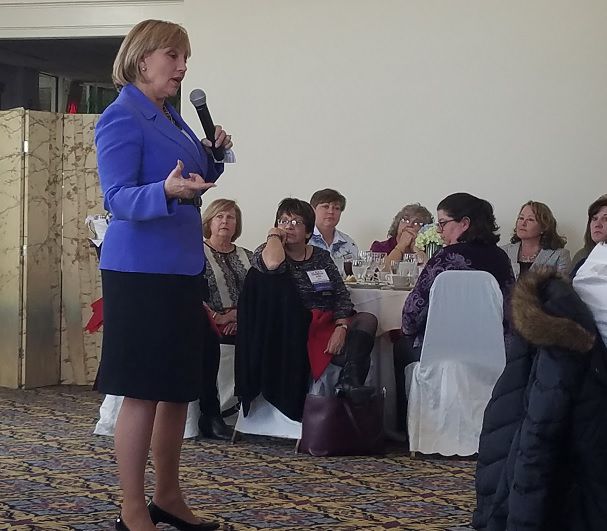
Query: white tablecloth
point(387, 306)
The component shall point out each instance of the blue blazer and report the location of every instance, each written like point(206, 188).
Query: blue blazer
point(137, 148)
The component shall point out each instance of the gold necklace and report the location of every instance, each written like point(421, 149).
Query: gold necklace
point(169, 116)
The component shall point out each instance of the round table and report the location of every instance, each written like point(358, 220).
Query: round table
point(387, 306)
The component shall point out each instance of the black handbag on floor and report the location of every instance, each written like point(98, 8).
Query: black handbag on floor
point(334, 425)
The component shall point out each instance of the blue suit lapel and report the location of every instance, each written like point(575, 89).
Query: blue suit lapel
point(163, 125)
point(186, 128)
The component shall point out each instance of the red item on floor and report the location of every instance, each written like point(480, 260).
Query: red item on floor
point(96, 320)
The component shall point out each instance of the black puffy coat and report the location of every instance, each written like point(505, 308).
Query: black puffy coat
point(542, 462)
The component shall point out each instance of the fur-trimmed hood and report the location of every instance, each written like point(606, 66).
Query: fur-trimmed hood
point(546, 311)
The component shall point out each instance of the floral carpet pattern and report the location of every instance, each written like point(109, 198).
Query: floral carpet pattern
point(56, 475)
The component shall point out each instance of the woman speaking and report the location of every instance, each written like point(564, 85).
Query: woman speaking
point(153, 170)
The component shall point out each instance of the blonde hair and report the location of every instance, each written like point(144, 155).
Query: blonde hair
point(143, 39)
point(214, 208)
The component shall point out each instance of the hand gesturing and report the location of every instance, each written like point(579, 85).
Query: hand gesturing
point(177, 186)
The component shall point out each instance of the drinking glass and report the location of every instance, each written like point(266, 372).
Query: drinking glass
point(395, 267)
point(348, 264)
point(359, 267)
point(339, 263)
point(380, 260)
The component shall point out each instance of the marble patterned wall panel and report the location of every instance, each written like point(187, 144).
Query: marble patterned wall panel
point(81, 279)
point(90, 269)
point(42, 264)
point(11, 234)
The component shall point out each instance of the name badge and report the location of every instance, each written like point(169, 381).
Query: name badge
point(320, 280)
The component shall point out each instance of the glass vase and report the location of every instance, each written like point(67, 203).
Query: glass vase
point(431, 249)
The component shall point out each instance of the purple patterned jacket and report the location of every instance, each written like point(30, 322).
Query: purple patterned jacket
point(459, 256)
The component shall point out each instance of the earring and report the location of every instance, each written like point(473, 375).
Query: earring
point(144, 68)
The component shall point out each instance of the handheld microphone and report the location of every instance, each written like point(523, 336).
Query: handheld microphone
point(199, 100)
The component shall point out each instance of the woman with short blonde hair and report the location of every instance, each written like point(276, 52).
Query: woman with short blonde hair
point(227, 265)
point(151, 168)
point(214, 208)
point(144, 39)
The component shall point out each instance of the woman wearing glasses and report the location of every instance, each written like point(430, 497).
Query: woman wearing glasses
point(302, 308)
point(402, 232)
point(467, 226)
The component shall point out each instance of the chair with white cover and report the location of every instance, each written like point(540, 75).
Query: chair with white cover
point(265, 419)
point(462, 356)
point(108, 412)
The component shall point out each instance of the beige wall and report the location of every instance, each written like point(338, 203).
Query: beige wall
point(396, 101)
point(389, 101)
point(80, 18)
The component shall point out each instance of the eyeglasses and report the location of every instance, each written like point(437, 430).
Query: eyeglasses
point(414, 223)
point(440, 225)
point(292, 222)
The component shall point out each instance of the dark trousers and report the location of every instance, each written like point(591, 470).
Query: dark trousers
point(404, 354)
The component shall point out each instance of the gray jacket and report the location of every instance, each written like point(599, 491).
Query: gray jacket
point(557, 258)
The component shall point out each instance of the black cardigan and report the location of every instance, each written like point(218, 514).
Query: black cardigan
point(271, 344)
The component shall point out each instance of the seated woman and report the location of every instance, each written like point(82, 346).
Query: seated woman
point(297, 317)
point(225, 271)
point(402, 232)
point(536, 242)
point(467, 226)
point(596, 232)
point(542, 456)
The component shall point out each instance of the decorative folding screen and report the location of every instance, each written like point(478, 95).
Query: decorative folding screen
point(48, 271)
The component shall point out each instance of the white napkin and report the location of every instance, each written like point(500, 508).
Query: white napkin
point(97, 224)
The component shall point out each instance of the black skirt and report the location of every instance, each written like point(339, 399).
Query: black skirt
point(154, 329)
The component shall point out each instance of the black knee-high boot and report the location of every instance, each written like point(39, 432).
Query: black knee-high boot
point(357, 352)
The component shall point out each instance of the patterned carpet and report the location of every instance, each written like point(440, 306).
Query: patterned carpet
point(56, 475)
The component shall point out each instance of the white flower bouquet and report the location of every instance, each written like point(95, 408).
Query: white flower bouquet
point(428, 239)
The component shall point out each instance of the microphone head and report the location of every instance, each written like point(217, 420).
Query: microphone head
point(198, 98)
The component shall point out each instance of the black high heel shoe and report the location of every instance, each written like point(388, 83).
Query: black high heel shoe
point(120, 525)
point(159, 515)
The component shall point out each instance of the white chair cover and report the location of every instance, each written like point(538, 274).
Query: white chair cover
point(108, 412)
point(265, 419)
point(462, 356)
point(590, 283)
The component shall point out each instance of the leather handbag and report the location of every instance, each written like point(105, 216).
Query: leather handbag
point(334, 425)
